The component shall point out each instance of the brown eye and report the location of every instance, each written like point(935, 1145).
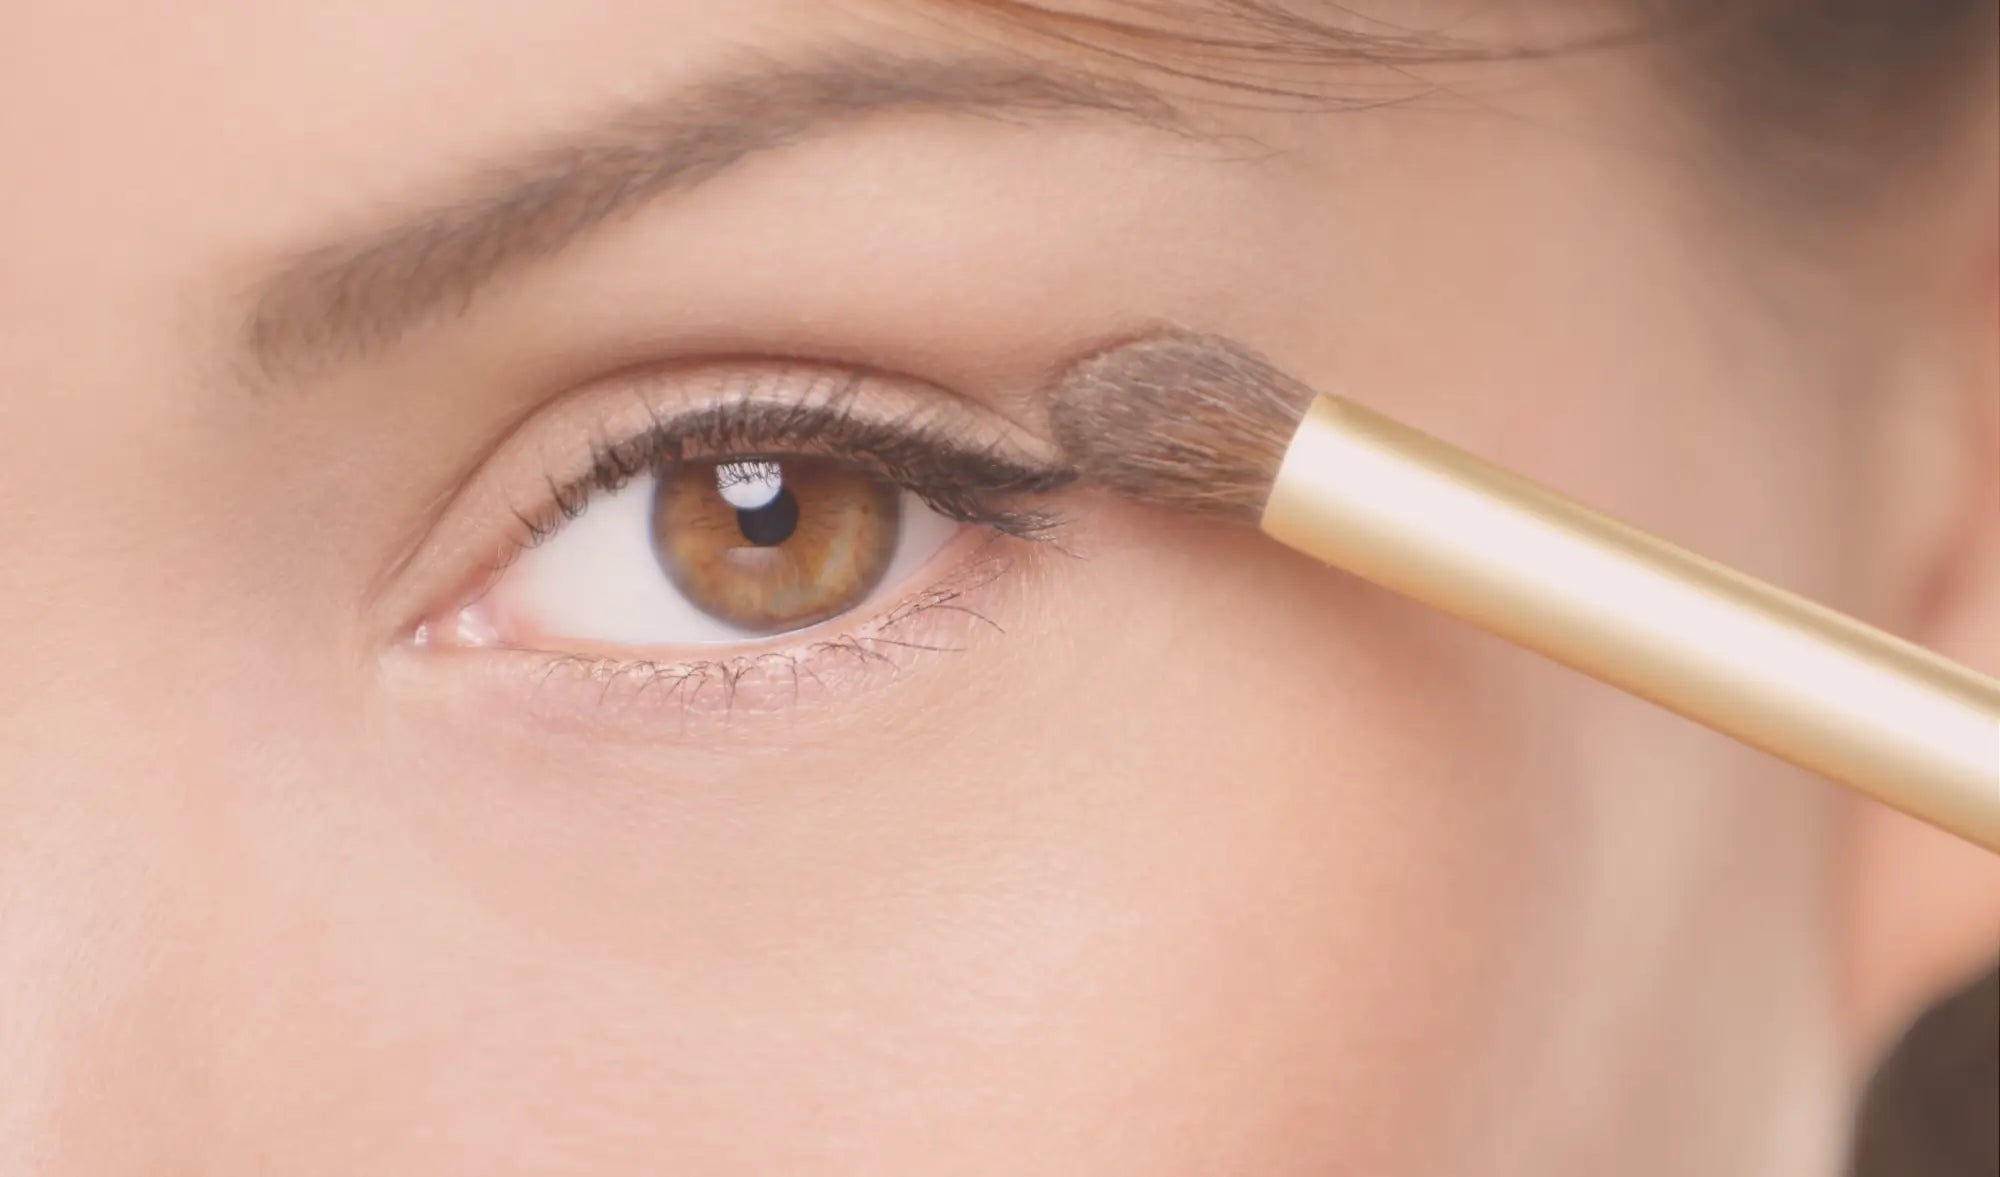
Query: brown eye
point(773, 544)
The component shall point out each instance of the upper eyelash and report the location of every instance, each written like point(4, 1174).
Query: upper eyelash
point(979, 485)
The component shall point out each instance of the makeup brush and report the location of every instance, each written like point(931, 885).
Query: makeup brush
point(1204, 426)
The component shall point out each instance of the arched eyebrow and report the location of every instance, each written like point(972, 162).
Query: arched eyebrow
point(346, 298)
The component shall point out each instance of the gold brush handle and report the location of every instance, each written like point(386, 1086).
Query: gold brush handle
point(1812, 686)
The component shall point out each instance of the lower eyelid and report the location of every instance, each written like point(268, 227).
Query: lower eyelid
point(607, 695)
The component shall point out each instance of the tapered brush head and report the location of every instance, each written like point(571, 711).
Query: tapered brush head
point(1192, 423)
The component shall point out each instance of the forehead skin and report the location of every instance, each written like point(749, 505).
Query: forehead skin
point(1213, 862)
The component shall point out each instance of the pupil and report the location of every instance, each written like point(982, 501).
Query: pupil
point(771, 524)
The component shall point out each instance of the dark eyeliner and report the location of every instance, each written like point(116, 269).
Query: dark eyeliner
point(916, 450)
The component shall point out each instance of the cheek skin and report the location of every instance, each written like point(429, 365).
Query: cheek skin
point(1121, 945)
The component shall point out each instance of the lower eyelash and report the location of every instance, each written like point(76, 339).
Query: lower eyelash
point(773, 680)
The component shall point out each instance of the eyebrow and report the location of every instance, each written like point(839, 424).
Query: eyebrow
point(347, 298)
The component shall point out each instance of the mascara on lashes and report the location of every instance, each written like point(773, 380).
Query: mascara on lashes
point(918, 450)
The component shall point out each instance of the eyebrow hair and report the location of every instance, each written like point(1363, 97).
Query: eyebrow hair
point(344, 299)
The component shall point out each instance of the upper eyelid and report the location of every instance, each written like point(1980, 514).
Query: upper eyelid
point(805, 402)
point(929, 457)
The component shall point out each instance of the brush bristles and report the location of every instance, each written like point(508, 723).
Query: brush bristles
point(1190, 423)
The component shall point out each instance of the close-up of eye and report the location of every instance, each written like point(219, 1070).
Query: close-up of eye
point(698, 513)
point(1005, 588)
point(714, 552)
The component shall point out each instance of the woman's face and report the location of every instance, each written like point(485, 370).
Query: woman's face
point(362, 812)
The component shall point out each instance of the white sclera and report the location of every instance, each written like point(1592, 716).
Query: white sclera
point(598, 580)
point(748, 486)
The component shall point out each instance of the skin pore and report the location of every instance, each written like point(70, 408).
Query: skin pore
point(1146, 849)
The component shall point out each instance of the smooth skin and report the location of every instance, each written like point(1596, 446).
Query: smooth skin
point(1213, 862)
